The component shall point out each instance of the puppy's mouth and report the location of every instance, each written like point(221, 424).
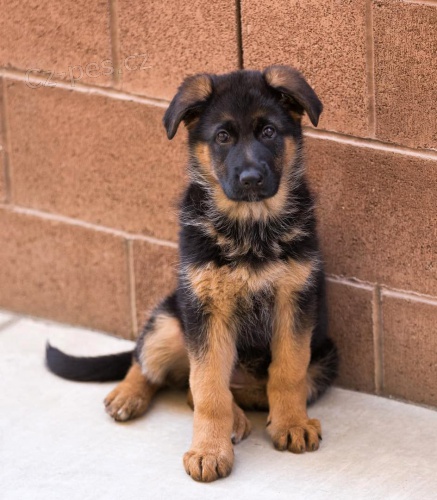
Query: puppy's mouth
point(250, 197)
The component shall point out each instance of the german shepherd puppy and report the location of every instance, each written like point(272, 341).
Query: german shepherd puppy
point(246, 326)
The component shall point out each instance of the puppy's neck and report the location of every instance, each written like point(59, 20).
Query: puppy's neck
point(248, 230)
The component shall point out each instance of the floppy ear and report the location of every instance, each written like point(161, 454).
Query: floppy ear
point(188, 102)
point(293, 85)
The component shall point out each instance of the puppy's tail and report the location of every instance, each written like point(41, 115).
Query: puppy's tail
point(88, 369)
point(322, 370)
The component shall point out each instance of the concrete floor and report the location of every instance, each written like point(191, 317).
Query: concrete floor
point(56, 442)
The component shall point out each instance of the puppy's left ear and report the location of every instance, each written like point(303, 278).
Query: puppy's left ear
point(292, 84)
point(188, 103)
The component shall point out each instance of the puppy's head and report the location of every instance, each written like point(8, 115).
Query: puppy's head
point(244, 127)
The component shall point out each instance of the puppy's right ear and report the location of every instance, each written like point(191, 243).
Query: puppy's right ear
point(188, 102)
point(289, 82)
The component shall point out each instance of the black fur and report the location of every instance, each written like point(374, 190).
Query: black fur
point(93, 369)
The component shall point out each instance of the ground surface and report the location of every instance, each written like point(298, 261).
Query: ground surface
point(56, 442)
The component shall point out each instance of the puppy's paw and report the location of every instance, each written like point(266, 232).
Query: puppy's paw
point(242, 426)
point(295, 435)
point(209, 463)
point(126, 402)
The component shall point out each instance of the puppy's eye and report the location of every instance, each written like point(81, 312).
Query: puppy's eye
point(268, 131)
point(223, 137)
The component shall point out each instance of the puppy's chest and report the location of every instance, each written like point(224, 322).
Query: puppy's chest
point(222, 288)
point(245, 300)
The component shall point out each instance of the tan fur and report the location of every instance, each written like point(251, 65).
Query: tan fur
point(289, 154)
point(241, 424)
point(192, 123)
point(204, 159)
point(287, 387)
point(214, 288)
point(219, 287)
point(241, 210)
point(131, 397)
point(200, 89)
point(280, 77)
point(164, 352)
point(254, 210)
point(163, 358)
point(211, 455)
point(210, 379)
point(296, 116)
point(249, 392)
point(295, 233)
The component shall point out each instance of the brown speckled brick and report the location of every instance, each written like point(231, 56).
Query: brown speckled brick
point(63, 272)
point(350, 325)
point(2, 148)
point(178, 38)
point(377, 214)
point(155, 276)
point(57, 36)
point(406, 72)
point(94, 158)
point(2, 179)
point(323, 39)
point(410, 349)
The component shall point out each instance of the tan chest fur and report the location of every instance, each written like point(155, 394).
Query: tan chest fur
point(219, 288)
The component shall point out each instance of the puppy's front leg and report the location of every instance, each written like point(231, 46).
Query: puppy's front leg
point(288, 423)
point(211, 455)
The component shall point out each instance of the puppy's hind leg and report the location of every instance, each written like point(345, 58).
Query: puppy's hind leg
point(160, 357)
point(131, 397)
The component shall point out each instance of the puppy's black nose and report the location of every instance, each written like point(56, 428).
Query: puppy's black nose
point(251, 178)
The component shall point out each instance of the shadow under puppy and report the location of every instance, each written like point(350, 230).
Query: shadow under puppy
point(246, 325)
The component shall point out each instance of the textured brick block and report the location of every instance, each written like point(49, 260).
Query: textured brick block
point(155, 276)
point(326, 41)
point(63, 37)
point(63, 272)
point(2, 179)
point(2, 148)
point(406, 72)
point(98, 159)
point(410, 350)
point(177, 39)
point(350, 325)
point(377, 214)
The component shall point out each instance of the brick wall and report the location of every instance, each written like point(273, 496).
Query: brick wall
point(87, 236)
